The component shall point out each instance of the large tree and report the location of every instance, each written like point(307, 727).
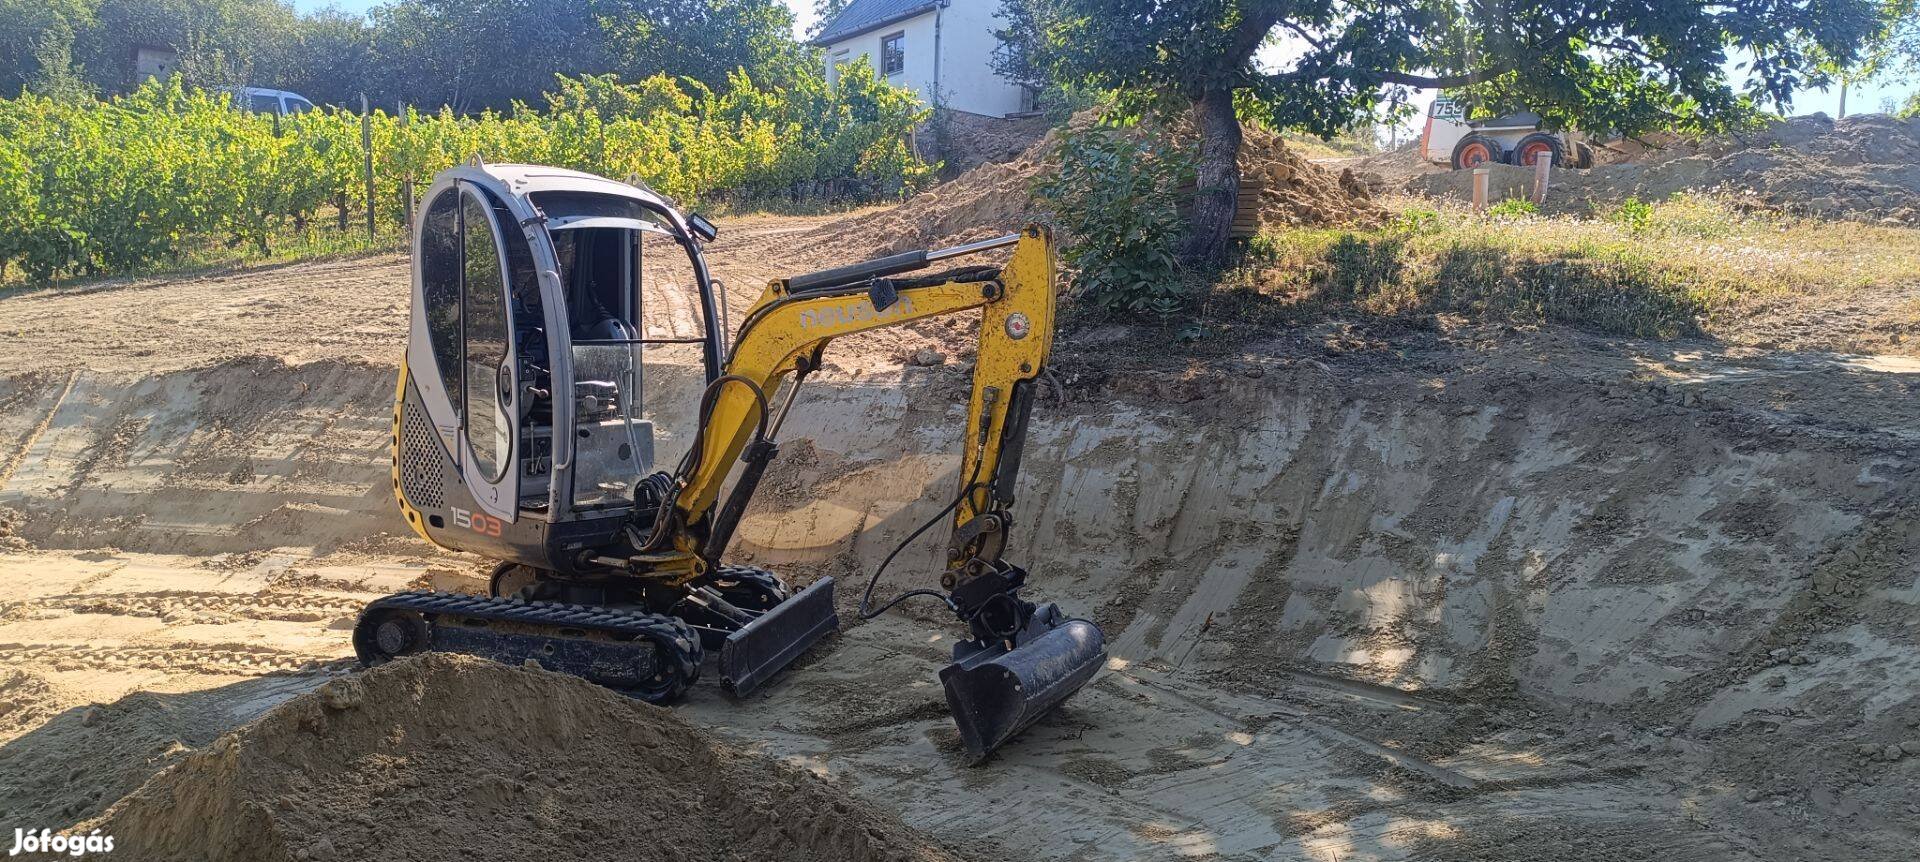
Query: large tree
point(1624, 65)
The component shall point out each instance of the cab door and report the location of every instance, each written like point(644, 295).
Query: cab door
point(490, 373)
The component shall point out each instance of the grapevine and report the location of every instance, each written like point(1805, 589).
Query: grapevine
point(119, 185)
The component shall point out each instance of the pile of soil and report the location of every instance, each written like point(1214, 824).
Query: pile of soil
point(1294, 191)
point(62, 765)
point(996, 198)
point(450, 757)
point(964, 141)
point(1864, 167)
point(1392, 170)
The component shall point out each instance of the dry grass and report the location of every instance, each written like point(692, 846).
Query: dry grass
point(1688, 266)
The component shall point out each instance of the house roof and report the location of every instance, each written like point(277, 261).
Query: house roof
point(862, 16)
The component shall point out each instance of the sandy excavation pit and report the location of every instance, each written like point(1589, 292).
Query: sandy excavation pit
point(1551, 598)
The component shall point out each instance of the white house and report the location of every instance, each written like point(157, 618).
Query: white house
point(939, 48)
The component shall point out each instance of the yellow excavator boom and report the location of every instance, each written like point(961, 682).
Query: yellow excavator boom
point(786, 330)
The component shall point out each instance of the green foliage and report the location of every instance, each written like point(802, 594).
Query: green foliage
point(1633, 214)
point(1020, 53)
point(1416, 221)
point(1513, 208)
point(1622, 65)
point(93, 186)
point(468, 54)
point(1626, 65)
point(1117, 195)
point(1891, 54)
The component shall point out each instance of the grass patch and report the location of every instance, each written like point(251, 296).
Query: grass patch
point(1666, 269)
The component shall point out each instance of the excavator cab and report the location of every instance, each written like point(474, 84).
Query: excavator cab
point(547, 306)
point(526, 431)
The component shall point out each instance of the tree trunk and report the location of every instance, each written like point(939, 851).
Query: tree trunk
point(1217, 179)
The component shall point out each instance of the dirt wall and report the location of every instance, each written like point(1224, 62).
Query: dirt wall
point(1589, 544)
point(1718, 558)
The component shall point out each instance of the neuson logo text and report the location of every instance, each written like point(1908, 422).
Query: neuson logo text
point(46, 841)
point(853, 312)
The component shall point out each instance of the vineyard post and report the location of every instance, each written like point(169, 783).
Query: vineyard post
point(406, 180)
point(366, 164)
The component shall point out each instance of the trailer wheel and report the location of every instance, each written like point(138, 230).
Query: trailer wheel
point(1475, 150)
point(1532, 147)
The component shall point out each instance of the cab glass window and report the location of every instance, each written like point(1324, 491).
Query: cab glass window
point(264, 103)
point(489, 430)
point(672, 326)
point(440, 293)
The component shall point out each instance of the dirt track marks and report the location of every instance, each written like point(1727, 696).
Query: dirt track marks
point(180, 606)
point(228, 659)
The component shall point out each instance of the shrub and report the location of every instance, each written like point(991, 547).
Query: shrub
point(1118, 195)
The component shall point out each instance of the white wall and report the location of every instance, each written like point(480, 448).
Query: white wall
point(966, 79)
point(966, 35)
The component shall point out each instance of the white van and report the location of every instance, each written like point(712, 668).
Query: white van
point(264, 101)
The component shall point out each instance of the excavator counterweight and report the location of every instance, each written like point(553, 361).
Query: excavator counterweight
point(524, 432)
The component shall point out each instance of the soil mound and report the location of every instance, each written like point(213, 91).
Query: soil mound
point(995, 198)
point(1292, 190)
point(448, 757)
point(64, 765)
point(1864, 167)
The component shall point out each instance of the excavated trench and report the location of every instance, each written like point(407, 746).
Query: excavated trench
point(1354, 612)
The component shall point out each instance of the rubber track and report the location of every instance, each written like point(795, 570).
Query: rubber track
point(754, 574)
point(553, 614)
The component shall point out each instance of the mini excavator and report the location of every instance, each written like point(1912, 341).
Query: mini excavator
point(522, 433)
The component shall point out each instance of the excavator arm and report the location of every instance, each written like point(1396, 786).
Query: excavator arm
point(1021, 659)
point(787, 329)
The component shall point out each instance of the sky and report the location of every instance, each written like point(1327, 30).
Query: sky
point(1859, 100)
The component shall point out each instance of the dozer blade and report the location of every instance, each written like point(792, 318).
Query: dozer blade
point(761, 648)
point(994, 693)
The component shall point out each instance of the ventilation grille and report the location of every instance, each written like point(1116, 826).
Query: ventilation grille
point(419, 460)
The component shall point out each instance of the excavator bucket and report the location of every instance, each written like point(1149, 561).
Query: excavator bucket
point(761, 648)
point(995, 692)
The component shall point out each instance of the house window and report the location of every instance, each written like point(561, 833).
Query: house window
point(893, 54)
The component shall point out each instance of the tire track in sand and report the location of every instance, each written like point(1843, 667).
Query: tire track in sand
point(171, 604)
point(227, 659)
